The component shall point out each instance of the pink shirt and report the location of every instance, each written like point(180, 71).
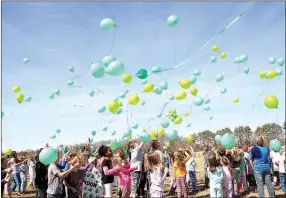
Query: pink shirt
point(227, 179)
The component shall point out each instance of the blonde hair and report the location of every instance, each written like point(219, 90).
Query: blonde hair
point(116, 161)
point(178, 156)
point(152, 160)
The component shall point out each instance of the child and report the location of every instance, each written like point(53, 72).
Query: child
point(191, 168)
point(206, 155)
point(180, 173)
point(215, 176)
point(157, 174)
point(136, 160)
point(282, 174)
point(227, 177)
point(249, 174)
point(236, 169)
point(275, 156)
point(24, 176)
point(8, 185)
point(242, 170)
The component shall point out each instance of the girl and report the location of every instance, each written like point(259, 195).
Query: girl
point(236, 169)
point(32, 173)
point(242, 170)
point(155, 145)
point(23, 175)
point(8, 185)
point(180, 173)
point(157, 174)
point(227, 177)
point(215, 176)
point(136, 161)
point(191, 168)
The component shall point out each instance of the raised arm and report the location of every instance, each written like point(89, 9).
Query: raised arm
point(140, 145)
point(166, 170)
point(187, 158)
point(192, 151)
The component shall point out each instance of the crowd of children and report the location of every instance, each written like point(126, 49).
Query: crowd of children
point(228, 172)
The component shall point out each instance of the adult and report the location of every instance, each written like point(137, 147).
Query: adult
point(259, 156)
point(41, 178)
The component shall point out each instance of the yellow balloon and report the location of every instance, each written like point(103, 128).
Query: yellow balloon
point(16, 89)
point(127, 78)
point(186, 114)
point(153, 134)
point(133, 99)
point(181, 95)
point(190, 139)
point(119, 103)
point(178, 120)
point(271, 74)
point(167, 144)
point(262, 74)
point(194, 91)
point(20, 98)
point(113, 106)
point(185, 84)
point(129, 137)
point(216, 48)
point(148, 87)
point(223, 55)
point(236, 100)
point(161, 132)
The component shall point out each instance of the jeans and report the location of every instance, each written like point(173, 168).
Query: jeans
point(23, 183)
point(17, 182)
point(193, 179)
point(282, 181)
point(259, 177)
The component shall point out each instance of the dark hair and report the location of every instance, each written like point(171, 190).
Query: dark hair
point(212, 162)
point(221, 152)
point(102, 150)
point(259, 141)
point(155, 144)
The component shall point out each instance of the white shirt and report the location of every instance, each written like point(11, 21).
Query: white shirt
point(16, 169)
point(282, 163)
point(275, 156)
point(136, 158)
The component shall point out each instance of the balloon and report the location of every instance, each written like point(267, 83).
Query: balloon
point(58, 130)
point(181, 95)
point(227, 141)
point(193, 80)
point(133, 99)
point(119, 111)
point(143, 103)
point(185, 84)
point(219, 78)
point(160, 132)
point(90, 140)
point(28, 99)
point(194, 91)
point(107, 24)
point(159, 115)
point(119, 103)
point(272, 60)
point(16, 89)
point(281, 61)
point(113, 133)
point(58, 92)
point(26, 60)
point(178, 120)
point(223, 91)
point(20, 98)
point(48, 155)
point(107, 60)
point(171, 135)
point(101, 109)
point(153, 134)
point(113, 106)
point(216, 48)
point(188, 125)
point(213, 59)
point(218, 138)
point(262, 74)
point(8, 152)
point(156, 69)
point(207, 108)
point(246, 70)
point(198, 101)
point(142, 74)
point(71, 69)
point(165, 124)
point(135, 126)
point(237, 60)
point(275, 145)
point(143, 82)
point(207, 101)
point(172, 97)
point(243, 58)
point(157, 91)
point(172, 21)
point(271, 74)
point(149, 87)
point(115, 68)
point(144, 137)
point(70, 83)
point(127, 133)
point(93, 133)
point(211, 118)
point(279, 72)
point(197, 73)
point(52, 96)
point(2, 114)
point(223, 55)
point(190, 139)
point(236, 100)
point(163, 85)
point(105, 128)
point(127, 78)
point(186, 114)
point(122, 95)
point(91, 93)
point(97, 70)
point(167, 144)
point(271, 102)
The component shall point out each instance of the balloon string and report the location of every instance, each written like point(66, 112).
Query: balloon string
point(112, 44)
point(173, 48)
point(77, 76)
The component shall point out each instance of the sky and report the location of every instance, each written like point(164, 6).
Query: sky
point(56, 35)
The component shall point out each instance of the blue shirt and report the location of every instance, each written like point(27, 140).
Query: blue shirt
point(260, 154)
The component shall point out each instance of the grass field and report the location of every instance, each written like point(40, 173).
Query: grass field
point(200, 176)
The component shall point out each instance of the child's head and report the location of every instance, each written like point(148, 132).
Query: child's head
point(116, 161)
point(178, 156)
point(105, 151)
point(240, 153)
point(155, 144)
point(245, 148)
point(206, 148)
point(212, 162)
point(221, 152)
point(153, 160)
point(133, 144)
point(225, 161)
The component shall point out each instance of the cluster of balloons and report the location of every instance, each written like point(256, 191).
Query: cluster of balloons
point(273, 60)
point(173, 117)
point(20, 98)
point(241, 59)
point(113, 107)
point(108, 65)
point(56, 93)
point(216, 49)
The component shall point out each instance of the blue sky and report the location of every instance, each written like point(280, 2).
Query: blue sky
point(55, 35)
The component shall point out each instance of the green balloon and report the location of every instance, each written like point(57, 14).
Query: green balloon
point(48, 155)
point(107, 24)
point(115, 68)
point(119, 111)
point(227, 141)
point(142, 74)
point(275, 145)
point(2, 114)
point(172, 21)
point(93, 133)
point(107, 60)
point(97, 70)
